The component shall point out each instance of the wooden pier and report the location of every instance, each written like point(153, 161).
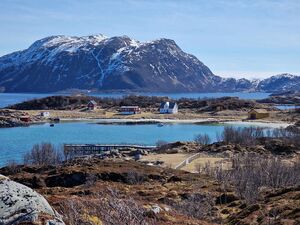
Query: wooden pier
point(71, 150)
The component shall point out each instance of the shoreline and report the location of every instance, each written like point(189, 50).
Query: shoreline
point(141, 121)
point(275, 124)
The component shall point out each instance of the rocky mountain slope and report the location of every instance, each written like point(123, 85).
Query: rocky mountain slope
point(96, 62)
point(100, 63)
point(280, 83)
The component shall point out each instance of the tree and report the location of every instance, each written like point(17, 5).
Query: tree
point(203, 139)
point(43, 154)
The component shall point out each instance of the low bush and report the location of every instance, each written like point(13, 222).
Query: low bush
point(251, 172)
point(105, 208)
point(242, 135)
point(12, 167)
point(203, 139)
point(161, 143)
point(43, 154)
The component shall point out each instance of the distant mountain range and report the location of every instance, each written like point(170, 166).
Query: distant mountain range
point(99, 63)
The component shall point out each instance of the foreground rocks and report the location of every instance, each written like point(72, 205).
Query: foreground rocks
point(98, 191)
point(295, 127)
point(22, 205)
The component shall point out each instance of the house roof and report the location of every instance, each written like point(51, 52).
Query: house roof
point(171, 105)
point(93, 102)
point(259, 110)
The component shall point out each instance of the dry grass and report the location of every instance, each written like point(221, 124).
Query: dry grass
point(203, 160)
point(152, 114)
point(170, 160)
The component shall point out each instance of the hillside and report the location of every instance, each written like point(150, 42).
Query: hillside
point(145, 102)
point(97, 62)
point(289, 97)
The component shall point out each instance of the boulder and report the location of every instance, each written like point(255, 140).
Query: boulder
point(294, 128)
point(20, 204)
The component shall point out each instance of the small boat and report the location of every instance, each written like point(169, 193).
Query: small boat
point(160, 125)
point(51, 125)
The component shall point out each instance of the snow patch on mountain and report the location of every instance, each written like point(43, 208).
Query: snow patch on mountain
point(100, 62)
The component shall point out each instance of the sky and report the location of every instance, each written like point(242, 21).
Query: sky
point(234, 38)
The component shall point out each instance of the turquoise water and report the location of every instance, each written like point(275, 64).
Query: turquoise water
point(14, 142)
point(13, 98)
point(286, 107)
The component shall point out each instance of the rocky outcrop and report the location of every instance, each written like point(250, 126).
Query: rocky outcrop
point(291, 98)
point(10, 118)
point(13, 118)
point(22, 205)
point(294, 128)
point(264, 146)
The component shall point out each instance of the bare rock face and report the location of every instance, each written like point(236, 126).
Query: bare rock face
point(22, 205)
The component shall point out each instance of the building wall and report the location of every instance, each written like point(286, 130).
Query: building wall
point(255, 115)
point(163, 110)
point(168, 110)
point(45, 114)
point(174, 110)
point(128, 112)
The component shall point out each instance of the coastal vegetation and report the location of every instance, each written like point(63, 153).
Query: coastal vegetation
point(79, 102)
point(99, 130)
point(43, 154)
point(248, 174)
point(256, 179)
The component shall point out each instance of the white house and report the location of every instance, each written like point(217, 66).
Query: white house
point(168, 107)
point(45, 114)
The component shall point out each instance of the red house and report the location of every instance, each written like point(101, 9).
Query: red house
point(92, 105)
point(129, 110)
point(25, 119)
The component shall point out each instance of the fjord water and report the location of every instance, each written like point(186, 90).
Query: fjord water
point(7, 99)
point(14, 142)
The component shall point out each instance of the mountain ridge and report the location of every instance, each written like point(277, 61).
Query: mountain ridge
point(102, 63)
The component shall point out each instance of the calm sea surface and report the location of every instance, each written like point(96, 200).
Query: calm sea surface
point(287, 107)
point(13, 98)
point(14, 142)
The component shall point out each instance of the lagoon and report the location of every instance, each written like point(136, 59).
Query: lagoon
point(287, 107)
point(14, 142)
point(7, 99)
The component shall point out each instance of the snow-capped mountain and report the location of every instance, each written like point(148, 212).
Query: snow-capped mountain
point(97, 62)
point(232, 84)
point(280, 83)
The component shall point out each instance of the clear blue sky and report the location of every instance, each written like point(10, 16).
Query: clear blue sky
point(239, 38)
